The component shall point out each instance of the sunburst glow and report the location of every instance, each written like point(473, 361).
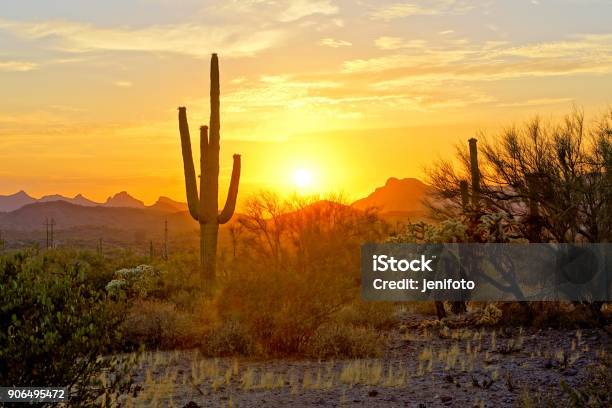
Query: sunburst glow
point(302, 179)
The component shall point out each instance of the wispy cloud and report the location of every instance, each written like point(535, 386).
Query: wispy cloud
point(536, 102)
point(190, 39)
point(297, 9)
point(123, 84)
point(415, 60)
point(333, 43)
point(17, 66)
point(430, 8)
point(395, 43)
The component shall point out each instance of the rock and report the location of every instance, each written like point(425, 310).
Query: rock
point(446, 398)
point(570, 372)
point(372, 393)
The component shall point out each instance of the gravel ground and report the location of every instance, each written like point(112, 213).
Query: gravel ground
point(423, 366)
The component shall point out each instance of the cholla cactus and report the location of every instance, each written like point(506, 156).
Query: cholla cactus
point(453, 230)
point(491, 315)
point(138, 281)
point(500, 228)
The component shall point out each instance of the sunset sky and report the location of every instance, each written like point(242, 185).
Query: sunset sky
point(343, 94)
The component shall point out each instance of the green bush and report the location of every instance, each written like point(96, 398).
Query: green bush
point(55, 328)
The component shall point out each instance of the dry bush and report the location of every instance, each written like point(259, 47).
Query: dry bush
point(375, 315)
point(160, 325)
point(563, 315)
point(549, 314)
point(424, 308)
point(226, 340)
point(491, 315)
point(281, 310)
point(297, 265)
point(344, 341)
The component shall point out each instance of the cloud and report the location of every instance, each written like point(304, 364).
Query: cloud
point(395, 43)
point(298, 9)
point(330, 42)
point(123, 84)
point(416, 60)
point(17, 66)
point(536, 102)
point(408, 9)
point(190, 39)
point(285, 11)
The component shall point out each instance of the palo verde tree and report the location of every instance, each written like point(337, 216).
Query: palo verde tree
point(553, 180)
point(205, 208)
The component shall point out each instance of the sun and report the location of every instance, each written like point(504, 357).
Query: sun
point(302, 178)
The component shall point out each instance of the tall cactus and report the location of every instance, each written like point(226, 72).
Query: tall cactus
point(205, 208)
point(475, 172)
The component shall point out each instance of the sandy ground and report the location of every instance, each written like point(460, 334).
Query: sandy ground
point(423, 366)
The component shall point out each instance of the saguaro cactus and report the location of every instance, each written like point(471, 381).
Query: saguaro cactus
point(475, 172)
point(205, 208)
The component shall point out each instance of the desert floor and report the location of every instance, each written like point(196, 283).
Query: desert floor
point(424, 365)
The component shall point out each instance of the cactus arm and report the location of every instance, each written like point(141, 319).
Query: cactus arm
point(190, 178)
point(232, 194)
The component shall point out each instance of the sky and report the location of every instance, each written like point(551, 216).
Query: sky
point(323, 95)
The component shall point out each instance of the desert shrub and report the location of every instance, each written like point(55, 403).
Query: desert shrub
point(55, 328)
point(228, 339)
point(160, 325)
point(344, 341)
point(595, 392)
point(375, 315)
point(281, 310)
point(427, 308)
point(516, 313)
point(180, 278)
point(141, 281)
point(491, 315)
point(563, 315)
point(297, 264)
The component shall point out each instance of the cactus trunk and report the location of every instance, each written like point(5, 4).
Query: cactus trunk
point(205, 208)
point(465, 195)
point(475, 172)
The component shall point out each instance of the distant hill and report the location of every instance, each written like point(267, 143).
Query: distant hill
point(15, 201)
point(67, 215)
point(397, 197)
point(123, 199)
point(20, 199)
point(78, 199)
point(168, 205)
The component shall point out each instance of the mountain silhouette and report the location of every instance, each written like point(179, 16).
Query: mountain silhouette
point(168, 205)
point(68, 215)
point(396, 196)
point(123, 199)
point(78, 199)
point(15, 201)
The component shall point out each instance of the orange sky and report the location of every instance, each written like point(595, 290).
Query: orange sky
point(351, 92)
